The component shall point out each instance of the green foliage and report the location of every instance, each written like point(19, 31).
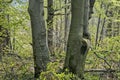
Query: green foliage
point(53, 73)
point(17, 61)
point(105, 56)
point(93, 76)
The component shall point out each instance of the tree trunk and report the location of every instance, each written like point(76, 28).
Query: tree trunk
point(4, 41)
point(97, 32)
point(40, 49)
point(66, 25)
point(102, 33)
point(77, 47)
point(92, 2)
point(102, 30)
point(50, 15)
point(86, 33)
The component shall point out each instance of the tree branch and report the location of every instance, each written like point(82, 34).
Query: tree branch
point(101, 70)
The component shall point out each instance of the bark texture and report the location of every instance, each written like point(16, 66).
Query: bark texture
point(86, 33)
point(92, 2)
point(67, 18)
point(50, 14)
point(40, 49)
point(77, 46)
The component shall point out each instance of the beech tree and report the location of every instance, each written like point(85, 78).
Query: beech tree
point(50, 15)
point(78, 40)
point(40, 49)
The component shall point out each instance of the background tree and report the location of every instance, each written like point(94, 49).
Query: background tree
point(40, 49)
point(77, 47)
point(50, 14)
point(4, 29)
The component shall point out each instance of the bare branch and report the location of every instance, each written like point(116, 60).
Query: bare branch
point(101, 70)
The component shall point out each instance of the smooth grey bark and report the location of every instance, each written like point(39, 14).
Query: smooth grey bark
point(86, 33)
point(66, 25)
point(98, 27)
point(92, 2)
point(50, 16)
point(89, 4)
point(97, 31)
point(40, 49)
point(102, 33)
point(102, 30)
point(77, 46)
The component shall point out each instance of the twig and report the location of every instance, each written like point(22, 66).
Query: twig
point(101, 70)
point(103, 59)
